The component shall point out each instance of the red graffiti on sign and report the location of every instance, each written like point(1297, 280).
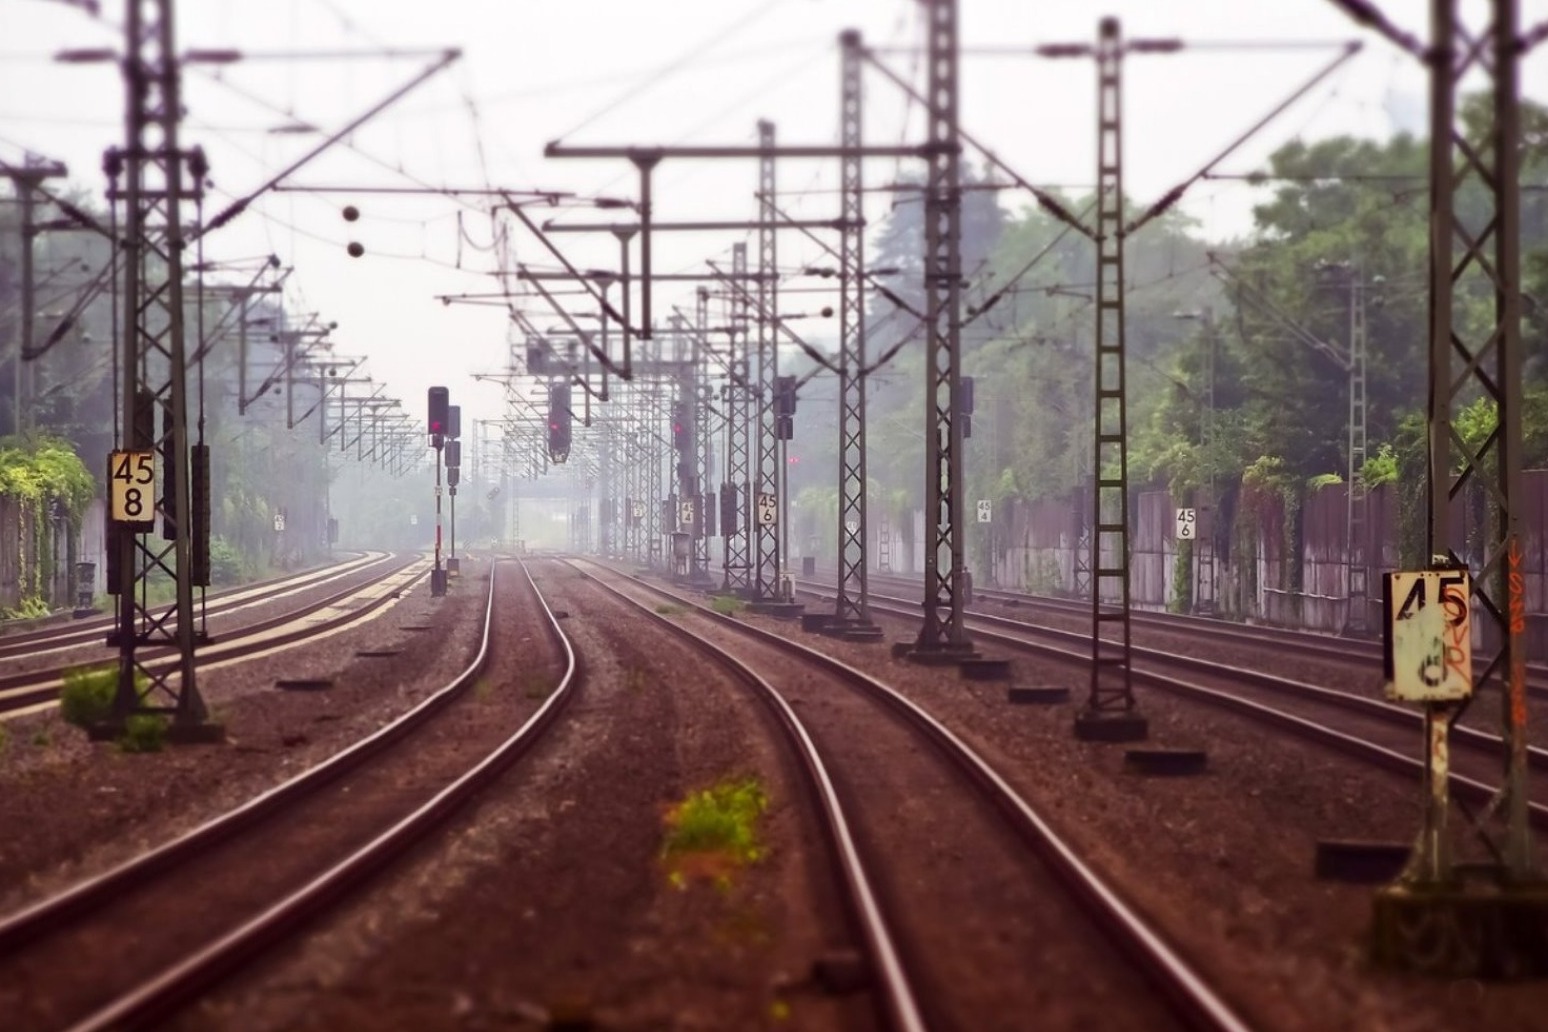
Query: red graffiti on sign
point(1455, 637)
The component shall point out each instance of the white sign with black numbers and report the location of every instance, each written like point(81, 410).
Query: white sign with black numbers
point(279, 521)
point(685, 513)
point(768, 510)
point(1428, 652)
point(985, 510)
point(1187, 522)
point(132, 492)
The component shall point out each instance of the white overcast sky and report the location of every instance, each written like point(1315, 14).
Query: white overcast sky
point(676, 71)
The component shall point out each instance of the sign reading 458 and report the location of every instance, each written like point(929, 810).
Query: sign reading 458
point(132, 488)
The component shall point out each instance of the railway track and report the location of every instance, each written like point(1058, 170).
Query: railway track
point(93, 630)
point(319, 836)
point(883, 772)
point(1372, 731)
point(385, 578)
point(1363, 654)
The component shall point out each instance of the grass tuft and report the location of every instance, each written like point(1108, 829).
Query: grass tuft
point(715, 830)
point(144, 733)
point(727, 605)
point(87, 695)
point(667, 609)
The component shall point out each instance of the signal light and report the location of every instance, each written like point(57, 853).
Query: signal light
point(454, 421)
point(558, 421)
point(439, 403)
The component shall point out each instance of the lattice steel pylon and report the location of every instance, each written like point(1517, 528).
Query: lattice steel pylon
point(1110, 711)
point(1358, 501)
point(154, 399)
point(737, 572)
point(851, 607)
point(943, 632)
point(766, 534)
point(1460, 370)
point(703, 423)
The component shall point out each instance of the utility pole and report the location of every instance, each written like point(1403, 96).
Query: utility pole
point(1111, 712)
point(1441, 918)
point(851, 604)
point(943, 636)
point(153, 376)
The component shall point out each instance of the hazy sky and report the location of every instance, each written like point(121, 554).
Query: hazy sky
point(627, 71)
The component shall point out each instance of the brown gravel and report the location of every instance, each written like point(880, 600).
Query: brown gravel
point(1223, 861)
point(550, 897)
point(87, 806)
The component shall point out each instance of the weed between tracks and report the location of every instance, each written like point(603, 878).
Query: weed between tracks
point(87, 699)
point(714, 831)
point(727, 605)
point(667, 609)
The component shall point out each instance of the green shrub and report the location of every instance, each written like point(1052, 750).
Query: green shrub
point(720, 819)
point(87, 695)
point(727, 605)
point(226, 564)
point(144, 733)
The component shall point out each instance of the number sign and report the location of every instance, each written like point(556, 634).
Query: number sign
point(768, 510)
point(279, 521)
point(1187, 522)
point(985, 510)
point(132, 488)
point(1429, 648)
point(685, 512)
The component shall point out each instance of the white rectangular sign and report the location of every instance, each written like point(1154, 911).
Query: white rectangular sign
point(1429, 646)
point(132, 486)
point(768, 510)
point(685, 513)
point(984, 510)
point(1187, 521)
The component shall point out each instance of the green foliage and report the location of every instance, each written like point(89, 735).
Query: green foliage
point(87, 695)
point(40, 468)
point(1322, 480)
point(1381, 468)
point(721, 819)
point(667, 609)
point(144, 733)
point(727, 605)
point(226, 564)
point(1182, 579)
point(30, 608)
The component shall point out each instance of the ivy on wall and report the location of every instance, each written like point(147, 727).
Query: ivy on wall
point(42, 473)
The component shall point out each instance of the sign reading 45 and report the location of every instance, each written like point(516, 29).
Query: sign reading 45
point(132, 488)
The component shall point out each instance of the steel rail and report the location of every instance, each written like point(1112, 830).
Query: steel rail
point(20, 691)
point(1174, 977)
point(84, 631)
point(162, 996)
point(1325, 644)
point(898, 997)
point(1374, 708)
point(46, 916)
point(1470, 789)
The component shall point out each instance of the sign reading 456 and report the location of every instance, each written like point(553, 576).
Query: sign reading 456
point(132, 488)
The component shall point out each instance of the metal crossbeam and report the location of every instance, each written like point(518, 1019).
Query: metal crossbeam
point(943, 629)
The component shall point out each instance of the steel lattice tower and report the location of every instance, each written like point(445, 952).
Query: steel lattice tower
point(943, 629)
point(703, 415)
point(738, 569)
point(159, 179)
point(851, 604)
point(1482, 255)
point(766, 535)
point(1111, 693)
